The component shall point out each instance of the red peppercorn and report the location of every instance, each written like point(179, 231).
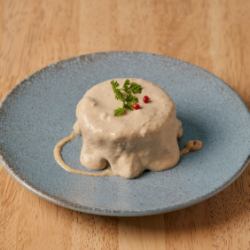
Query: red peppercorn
point(136, 106)
point(146, 99)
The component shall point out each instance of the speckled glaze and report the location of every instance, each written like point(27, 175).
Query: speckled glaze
point(41, 110)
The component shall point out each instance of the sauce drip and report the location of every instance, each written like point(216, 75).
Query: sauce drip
point(191, 146)
point(58, 157)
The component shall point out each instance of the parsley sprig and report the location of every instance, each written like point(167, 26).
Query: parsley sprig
point(126, 94)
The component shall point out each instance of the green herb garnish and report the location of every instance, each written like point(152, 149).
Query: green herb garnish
point(126, 95)
point(120, 111)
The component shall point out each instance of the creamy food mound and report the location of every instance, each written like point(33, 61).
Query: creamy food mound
point(126, 145)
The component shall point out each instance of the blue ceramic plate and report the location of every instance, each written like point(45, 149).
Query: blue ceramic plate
point(41, 110)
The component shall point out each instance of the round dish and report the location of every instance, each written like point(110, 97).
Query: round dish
point(41, 110)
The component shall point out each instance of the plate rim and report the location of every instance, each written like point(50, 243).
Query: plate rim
point(114, 212)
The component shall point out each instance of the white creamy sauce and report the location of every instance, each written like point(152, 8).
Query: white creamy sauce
point(126, 145)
